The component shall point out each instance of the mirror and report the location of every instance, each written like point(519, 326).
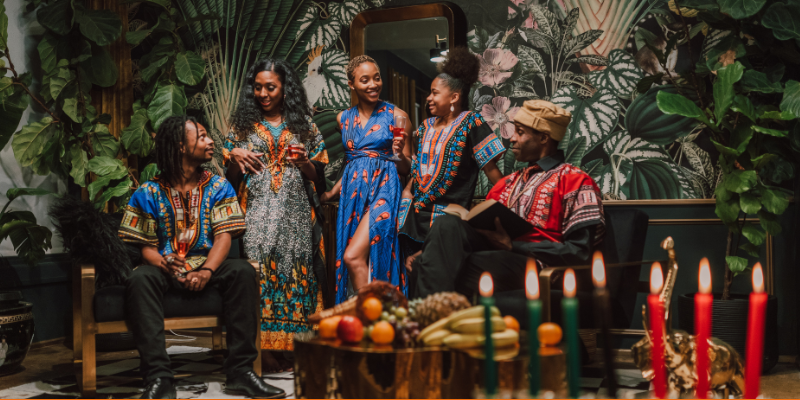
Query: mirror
point(406, 43)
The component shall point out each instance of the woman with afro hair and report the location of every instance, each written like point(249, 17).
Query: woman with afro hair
point(453, 147)
point(280, 199)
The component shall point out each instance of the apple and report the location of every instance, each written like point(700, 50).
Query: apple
point(350, 329)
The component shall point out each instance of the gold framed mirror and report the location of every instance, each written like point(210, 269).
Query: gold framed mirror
point(403, 41)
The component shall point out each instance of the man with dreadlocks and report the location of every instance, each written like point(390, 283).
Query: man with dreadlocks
point(186, 203)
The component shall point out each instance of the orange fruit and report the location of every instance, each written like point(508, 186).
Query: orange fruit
point(372, 308)
point(549, 334)
point(511, 323)
point(382, 333)
point(327, 327)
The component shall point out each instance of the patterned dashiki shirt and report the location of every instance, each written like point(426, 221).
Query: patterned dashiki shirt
point(557, 201)
point(446, 169)
point(156, 211)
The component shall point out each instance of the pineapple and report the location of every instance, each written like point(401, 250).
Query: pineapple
point(435, 307)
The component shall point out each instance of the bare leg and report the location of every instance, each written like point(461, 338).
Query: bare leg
point(356, 255)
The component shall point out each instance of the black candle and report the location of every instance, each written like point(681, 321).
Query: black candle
point(602, 311)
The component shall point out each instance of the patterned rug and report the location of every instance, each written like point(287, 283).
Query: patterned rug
point(198, 374)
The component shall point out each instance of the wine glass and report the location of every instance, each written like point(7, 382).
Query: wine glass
point(184, 237)
point(294, 150)
point(398, 132)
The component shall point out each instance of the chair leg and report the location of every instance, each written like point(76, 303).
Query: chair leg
point(216, 338)
point(257, 362)
point(89, 368)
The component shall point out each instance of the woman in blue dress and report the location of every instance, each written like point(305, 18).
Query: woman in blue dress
point(370, 189)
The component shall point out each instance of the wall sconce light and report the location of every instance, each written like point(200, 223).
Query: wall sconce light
point(439, 50)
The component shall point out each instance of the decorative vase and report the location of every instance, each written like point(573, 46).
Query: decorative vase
point(16, 331)
point(729, 323)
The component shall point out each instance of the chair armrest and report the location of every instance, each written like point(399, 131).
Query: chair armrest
point(82, 311)
point(546, 279)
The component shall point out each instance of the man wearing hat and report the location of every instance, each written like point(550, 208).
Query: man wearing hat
point(561, 202)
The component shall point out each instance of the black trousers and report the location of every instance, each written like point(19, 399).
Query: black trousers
point(236, 281)
point(455, 255)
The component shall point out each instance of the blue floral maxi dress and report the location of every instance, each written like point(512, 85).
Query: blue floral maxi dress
point(283, 232)
point(369, 182)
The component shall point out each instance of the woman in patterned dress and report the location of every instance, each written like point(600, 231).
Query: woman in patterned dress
point(279, 196)
point(366, 231)
point(453, 147)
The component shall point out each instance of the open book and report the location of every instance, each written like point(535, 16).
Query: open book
point(482, 217)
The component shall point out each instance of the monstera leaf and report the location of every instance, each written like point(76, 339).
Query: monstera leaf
point(621, 75)
point(327, 32)
point(327, 80)
point(593, 117)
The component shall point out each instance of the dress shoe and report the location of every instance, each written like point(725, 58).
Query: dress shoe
point(160, 388)
point(250, 385)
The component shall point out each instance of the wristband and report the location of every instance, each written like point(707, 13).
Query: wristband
point(206, 269)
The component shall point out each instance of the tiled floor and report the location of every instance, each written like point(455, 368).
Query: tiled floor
point(48, 374)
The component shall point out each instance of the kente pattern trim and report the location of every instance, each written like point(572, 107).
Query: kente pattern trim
point(16, 318)
point(489, 148)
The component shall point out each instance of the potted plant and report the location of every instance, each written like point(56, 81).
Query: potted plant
point(741, 90)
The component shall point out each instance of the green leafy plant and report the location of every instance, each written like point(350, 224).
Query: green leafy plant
point(72, 140)
point(738, 91)
point(30, 239)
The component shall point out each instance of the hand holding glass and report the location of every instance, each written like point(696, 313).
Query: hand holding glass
point(398, 131)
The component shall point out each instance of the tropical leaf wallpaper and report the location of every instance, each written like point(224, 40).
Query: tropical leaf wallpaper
point(599, 59)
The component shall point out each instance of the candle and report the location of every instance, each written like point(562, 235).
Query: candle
point(486, 289)
point(602, 311)
point(703, 302)
point(657, 327)
point(569, 305)
point(535, 319)
point(755, 335)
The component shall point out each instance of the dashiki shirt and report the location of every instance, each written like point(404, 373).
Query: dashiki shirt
point(369, 183)
point(445, 171)
point(155, 211)
point(283, 232)
point(555, 197)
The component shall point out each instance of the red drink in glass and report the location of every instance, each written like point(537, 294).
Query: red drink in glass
point(295, 150)
point(397, 133)
point(183, 248)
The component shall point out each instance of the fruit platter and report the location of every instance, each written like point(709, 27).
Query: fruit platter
point(380, 345)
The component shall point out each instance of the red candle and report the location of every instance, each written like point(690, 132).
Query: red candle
point(755, 335)
point(703, 301)
point(657, 335)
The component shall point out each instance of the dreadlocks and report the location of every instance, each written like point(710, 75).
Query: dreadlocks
point(170, 137)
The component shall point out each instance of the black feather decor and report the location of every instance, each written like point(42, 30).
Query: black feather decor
point(90, 236)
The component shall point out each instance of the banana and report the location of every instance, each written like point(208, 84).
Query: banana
point(501, 339)
point(436, 338)
point(462, 340)
point(472, 312)
point(445, 323)
point(434, 327)
point(476, 325)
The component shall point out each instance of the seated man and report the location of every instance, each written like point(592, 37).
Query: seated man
point(559, 200)
point(184, 198)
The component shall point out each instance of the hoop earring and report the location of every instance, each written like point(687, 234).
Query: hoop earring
point(452, 109)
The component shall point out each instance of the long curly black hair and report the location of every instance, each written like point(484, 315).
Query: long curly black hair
point(460, 71)
point(296, 111)
point(169, 138)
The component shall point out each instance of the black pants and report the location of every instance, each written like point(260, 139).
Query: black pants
point(455, 255)
point(236, 281)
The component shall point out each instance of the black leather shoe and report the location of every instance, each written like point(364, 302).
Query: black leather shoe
point(161, 388)
point(250, 385)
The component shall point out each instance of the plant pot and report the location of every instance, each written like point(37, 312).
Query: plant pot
point(16, 331)
point(729, 323)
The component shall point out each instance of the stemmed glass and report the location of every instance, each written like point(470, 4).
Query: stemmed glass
point(398, 132)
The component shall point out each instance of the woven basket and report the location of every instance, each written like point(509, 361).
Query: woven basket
point(384, 291)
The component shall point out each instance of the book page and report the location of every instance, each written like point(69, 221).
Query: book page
point(457, 210)
point(479, 208)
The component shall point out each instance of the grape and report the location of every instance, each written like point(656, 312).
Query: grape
point(392, 310)
point(401, 312)
point(392, 319)
point(385, 316)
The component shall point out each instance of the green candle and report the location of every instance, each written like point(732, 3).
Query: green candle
point(569, 305)
point(534, 319)
point(487, 301)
